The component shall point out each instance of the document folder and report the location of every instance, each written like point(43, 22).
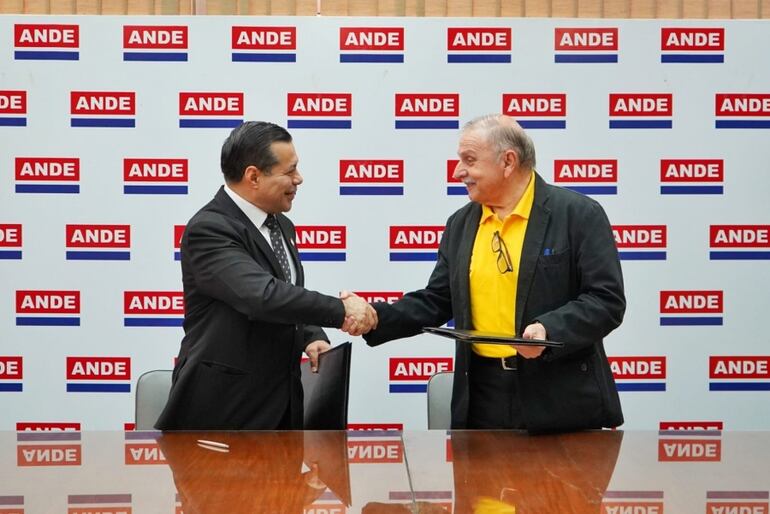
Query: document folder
point(477, 336)
point(326, 392)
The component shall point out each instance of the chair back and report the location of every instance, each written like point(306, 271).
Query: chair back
point(440, 401)
point(151, 395)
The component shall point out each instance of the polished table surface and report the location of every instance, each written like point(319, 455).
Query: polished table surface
point(609, 472)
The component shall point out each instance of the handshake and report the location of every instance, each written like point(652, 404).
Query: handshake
point(360, 317)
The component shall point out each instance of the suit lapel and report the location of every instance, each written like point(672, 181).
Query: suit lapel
point(533, 244)
point(227, 205)
point(464, 250)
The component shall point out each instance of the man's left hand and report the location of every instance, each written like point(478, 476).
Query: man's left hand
point(313, 350)
point(533, 331)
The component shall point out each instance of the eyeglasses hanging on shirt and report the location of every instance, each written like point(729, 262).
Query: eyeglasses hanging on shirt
point(504, 263)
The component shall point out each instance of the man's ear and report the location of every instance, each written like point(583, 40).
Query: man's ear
point(251, 176)
point(510, 162)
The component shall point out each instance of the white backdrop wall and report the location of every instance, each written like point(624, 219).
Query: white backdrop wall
point(667, 128)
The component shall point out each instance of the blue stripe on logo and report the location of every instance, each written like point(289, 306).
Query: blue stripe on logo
point(10, 387)
point(690, 58)
point(154, 190)
point(740, 256)
point(371, 190)
point(542, 124)
point(98, 388)
point(691, 190)
point(427, 124)
point(642, 256)
point(322, 256)
point(594, 190)
point(153, 322)
point(48, 188)
point(254, 57)
point(13, 122)
point(209, 123)
point(456, 190)
point(408, 388)
point(739, 386)
point(413, 256)
point(641, 386)
point(86, 255)
point(155, 56)
point(45, 55)
point(741, 124)
point(372, 58)
point(482, 58)
point(177, 255)
point(640, 124)
point(103, 122)
point(676, 321)
point(585, 58)
point(33, 321)
point(10, 254)
point(320, 124)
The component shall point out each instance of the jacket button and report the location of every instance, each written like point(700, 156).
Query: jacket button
point(583, 366)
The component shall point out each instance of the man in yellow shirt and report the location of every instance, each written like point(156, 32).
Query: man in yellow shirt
point(525, 258)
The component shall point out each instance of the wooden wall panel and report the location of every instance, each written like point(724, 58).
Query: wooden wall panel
point(537, 9)
point(616, 9)
point(668, 9)
point(642, 9)
point(564, 8)
point(88, 6)
point(513, 8)
point(719, 9)
point(590, 8)
point(11, 6)
point(748, 9)
point(486, 8)
point(674, 9)
point(62, 6)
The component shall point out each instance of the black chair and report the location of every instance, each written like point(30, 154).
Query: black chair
point(326, 392)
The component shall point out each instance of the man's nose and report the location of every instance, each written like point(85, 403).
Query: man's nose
point(459, 171)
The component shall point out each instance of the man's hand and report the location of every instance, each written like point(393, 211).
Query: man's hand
point(313, 350)
point(533, 331)
point(360, 317)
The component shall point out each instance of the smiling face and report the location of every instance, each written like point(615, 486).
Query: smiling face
point(274, 192)
point(481, 168)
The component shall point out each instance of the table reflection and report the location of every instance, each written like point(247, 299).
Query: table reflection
point(606, 472)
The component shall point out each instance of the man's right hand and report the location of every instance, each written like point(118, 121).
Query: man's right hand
point(360, 317)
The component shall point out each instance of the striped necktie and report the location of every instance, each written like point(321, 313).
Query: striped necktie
point(276, 241)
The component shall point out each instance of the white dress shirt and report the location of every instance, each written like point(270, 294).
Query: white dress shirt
point(258, 217)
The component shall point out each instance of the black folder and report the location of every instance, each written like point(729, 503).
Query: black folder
point(477, 336)
point(326, 392)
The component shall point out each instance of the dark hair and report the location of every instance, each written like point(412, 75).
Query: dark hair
point(249, 145)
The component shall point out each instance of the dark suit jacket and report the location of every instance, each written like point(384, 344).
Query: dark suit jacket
point(576, 292)
point(245, 327)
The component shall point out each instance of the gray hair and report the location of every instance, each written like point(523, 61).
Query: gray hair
point(504, 133)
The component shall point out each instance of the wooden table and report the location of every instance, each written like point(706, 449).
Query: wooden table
point(609, 472)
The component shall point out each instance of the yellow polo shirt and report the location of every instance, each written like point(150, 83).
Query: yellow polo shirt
point(493, 294)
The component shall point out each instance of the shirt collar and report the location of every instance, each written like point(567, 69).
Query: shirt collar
point(523, 207)
point(256, 215)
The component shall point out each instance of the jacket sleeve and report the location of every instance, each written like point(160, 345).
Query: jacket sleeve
point(224, 270)
point(600, 303)
point(431, 306)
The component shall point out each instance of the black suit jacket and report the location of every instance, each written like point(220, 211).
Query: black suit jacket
point(576, 292)
point(245, 327)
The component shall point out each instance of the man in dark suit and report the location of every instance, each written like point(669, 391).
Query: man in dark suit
point(247, 315)
point(523, 257)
